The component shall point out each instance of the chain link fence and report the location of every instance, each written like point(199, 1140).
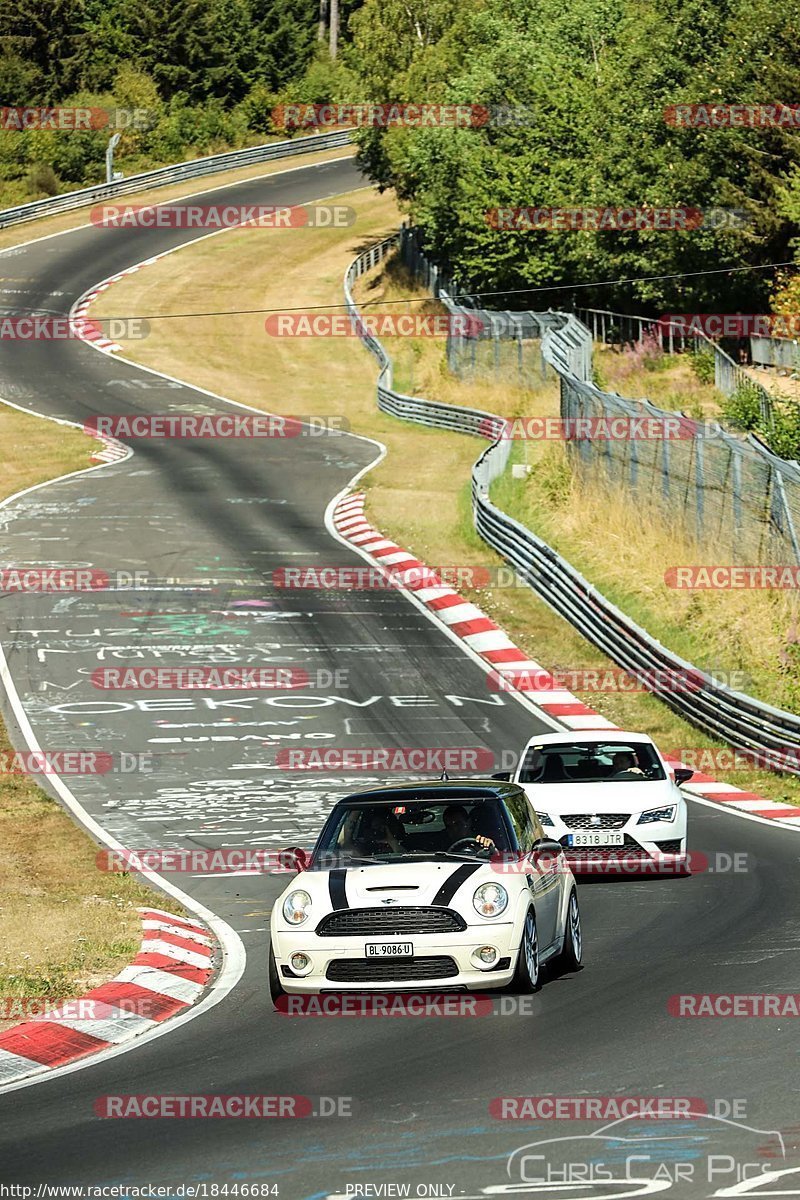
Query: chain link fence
point(733, 494)
point(737, 498)
point(782, 353)
point(508, 347)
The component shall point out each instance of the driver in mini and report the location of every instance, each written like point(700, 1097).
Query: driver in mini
point(459, 828)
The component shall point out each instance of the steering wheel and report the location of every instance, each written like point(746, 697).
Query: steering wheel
point(467, 843)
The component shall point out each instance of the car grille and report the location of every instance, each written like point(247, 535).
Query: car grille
point(673, 846)
point(589, 820)
point(629, 847)
point(364, 922)
point(381, 970)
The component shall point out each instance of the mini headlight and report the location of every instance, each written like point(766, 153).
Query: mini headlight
point(490, 899)
point(544, 818)
point(297, 907)
point(657, 814)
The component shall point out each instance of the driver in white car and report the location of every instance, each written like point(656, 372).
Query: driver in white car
point(624, 766)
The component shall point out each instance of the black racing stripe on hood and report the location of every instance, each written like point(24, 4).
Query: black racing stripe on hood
point(336, 887)
point(453, 882)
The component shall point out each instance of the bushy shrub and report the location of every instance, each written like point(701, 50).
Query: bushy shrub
point(743, 407)
point(645, 355)
point(42, 181)
point(783, 435)
point(702, 363)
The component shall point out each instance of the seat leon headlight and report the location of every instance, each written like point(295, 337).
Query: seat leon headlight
point(667, 813)
point(297, 907)
point(490, 899)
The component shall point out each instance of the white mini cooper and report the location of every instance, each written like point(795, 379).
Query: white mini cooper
point(426, 885)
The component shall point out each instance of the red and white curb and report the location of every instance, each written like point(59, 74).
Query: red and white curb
point(90, 331)
point(112, 450)
point(492, 644)
point(176, 961)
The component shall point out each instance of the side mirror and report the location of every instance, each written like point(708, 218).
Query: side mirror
point(294, 858)
point(546, 848)
point(504, 775)
point(683, 775)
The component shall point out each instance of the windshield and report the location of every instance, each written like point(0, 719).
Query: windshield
point(363, 832)
point(591, 762)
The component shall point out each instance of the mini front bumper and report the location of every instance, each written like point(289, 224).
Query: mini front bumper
point(458, 947)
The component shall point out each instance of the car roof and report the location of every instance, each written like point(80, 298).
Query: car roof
point(473, 790)
point(570, 737)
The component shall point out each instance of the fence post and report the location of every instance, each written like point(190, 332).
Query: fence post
point(699, 484)
point(665, 465)
point(782, 513)
point(736, 476)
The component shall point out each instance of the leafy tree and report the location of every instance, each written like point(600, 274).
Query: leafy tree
point(50, 36)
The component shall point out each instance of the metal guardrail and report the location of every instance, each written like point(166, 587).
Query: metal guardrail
point(193, 169)
point(411, 408)
point(733, 717)
point(775, 352)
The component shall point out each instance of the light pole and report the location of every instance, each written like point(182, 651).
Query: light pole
point(334, 28)
point(113, 140)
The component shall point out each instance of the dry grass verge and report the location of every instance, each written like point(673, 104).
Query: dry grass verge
point(64, 925)
point(669, 382)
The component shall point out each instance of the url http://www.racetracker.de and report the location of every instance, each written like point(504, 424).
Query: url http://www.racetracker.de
point(146, 1191)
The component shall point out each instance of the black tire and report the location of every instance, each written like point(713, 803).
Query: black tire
point(275, 987)
point(526, 975)
point(571, 955)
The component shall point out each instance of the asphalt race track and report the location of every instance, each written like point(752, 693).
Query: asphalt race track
point(218, 516)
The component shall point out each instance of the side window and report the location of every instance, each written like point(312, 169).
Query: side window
point(525, 822)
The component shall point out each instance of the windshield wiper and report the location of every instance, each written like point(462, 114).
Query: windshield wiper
point(459, 856)
point(364, 858)
point(441, 854)
point(345, 859)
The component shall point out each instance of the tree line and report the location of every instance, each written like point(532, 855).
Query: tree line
point(592, 78)
point(596, 77)
point(208, 72)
